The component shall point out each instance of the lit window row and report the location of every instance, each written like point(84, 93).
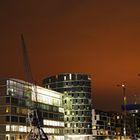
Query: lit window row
point(50, 137)
point(15, 88)
point(18, 128)
point(46, 92)
point(59, 137)
point(16, 110)
point(47, 99)
point(53, 131)
point(53, 123)
point(43, 95)
point(53, 137)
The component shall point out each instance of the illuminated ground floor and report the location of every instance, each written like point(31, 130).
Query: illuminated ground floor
point(19, 132)
point(21, 136)
point(112, 138)
point(78, 137)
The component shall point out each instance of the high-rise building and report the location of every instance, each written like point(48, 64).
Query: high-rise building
point(76, 89)
point(16, 99)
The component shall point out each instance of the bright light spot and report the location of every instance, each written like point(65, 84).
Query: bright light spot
point(123, 85)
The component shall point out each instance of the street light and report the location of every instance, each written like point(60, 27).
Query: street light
point(124, 107)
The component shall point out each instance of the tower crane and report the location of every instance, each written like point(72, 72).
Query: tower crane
point(35, 121)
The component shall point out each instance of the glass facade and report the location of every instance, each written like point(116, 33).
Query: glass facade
point(76, 89)
point(16, 100)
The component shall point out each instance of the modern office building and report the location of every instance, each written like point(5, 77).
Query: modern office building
point(110, 125)
point(76, 88)
point(103, 125)
point(17, 98)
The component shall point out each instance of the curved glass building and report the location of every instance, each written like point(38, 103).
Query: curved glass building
point(76, 89)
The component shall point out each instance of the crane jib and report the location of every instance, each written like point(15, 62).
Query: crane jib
point(34, 118)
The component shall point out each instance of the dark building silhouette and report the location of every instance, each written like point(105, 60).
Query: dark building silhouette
point(134, 111)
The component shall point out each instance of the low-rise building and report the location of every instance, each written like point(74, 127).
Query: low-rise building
point(116, 125)
point(17, 98)
point(134, 111)
point(103, 125)
point(123, 126)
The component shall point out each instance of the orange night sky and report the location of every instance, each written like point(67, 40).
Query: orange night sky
point(98, 37)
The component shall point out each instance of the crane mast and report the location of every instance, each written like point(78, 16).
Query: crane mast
point(36, 123)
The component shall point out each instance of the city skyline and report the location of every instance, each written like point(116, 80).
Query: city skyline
point(100, 38)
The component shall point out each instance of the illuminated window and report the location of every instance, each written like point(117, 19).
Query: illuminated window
point(7, 137)
point(68, 112)
point(68, 125)
point(28, 129)
point(7, 127)
point(10, 91)
point(22, 128)
point(8, 109)
point(118, 117)
point(61, 109)
point(53, 130)
point(70, 76)
point(14, 128)
point(48, 130)
point(53, 123)
point(24, 111)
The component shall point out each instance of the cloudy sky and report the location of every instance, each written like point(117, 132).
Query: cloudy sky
point(98, 37)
